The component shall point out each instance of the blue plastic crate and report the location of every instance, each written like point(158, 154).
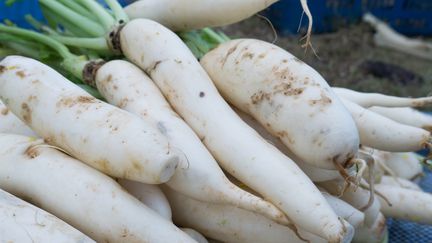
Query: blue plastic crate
point(16, 12)
point(410, 17)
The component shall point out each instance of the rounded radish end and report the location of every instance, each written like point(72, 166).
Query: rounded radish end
point(169, 169)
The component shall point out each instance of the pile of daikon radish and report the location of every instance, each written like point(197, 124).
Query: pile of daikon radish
point(247, 144)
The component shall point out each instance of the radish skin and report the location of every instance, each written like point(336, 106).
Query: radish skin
point(248, 157)
point(314, 173)
point(23, 222)
point(407, 204)
point(78, 194)
point(406, 115)
point(9, 123)
point(405, 165)
point(230, 224)
point(151, 195)
point(376, 233)
point(198, 237)
point(367, 100)
point(289, 98)
point(387, 37)
point(126, 86)
point(399, 182)
point(344, 210)
point(103, 136)
point(180, 15)
point(379, 132)
point(357, 197)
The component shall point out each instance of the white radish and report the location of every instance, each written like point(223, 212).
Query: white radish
point(380, 132)
point(344, 210)
point(237, 147)
point(314, 173)
point(80, 195)
point(387, 37)
point(230, 224)
point(288, 97)
point(405, 165)
point(376, 233)
point(9, 123)
point(198, 237)
point(407, 204)
point(101, 135)
point(23, 222)
point(357, 197)
point(151, 195)
point(367, 100)
point(406, 115)
point(195, 14)
point(125, 85)
point(399, 182)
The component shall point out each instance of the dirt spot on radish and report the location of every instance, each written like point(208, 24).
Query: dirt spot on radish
point(247, 55)
point(4, 111)
point(71, 101)
point(201, 94)
point(325, 100)
point(262, 55)
point(108, 79)
point(229, 52)
point(2, 69)
point(123, 103)
point(103, 165)
point(26, 113)
point(20, 74)
point(32, 152)
point(153, 67)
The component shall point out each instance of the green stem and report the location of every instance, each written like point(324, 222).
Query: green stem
point(58, 47)
point(24, 49)
point(56, 20)
point(38, 25)
point(86, 24)
point(119, 13)
point(98, 43)
point(101, 13)
point(6, 52)
point(213, 35)
point(74, 6)
point(75, 65)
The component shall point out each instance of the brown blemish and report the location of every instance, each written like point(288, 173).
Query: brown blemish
point(35, 81)
point(104, 165)
point(32, 152)
point(247, 55)
point(154, 66)
point(201, 94)
point(229, 52)
point(284, 60)
point(123, 102)
point(262, 55)
point(2, 69)
point(325, 100)
point(20, 74)
point(26, 113)
point(71, 101)
point(5, 111)
point(115, 87)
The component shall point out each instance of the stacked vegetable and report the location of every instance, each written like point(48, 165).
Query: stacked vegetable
point(288, 159)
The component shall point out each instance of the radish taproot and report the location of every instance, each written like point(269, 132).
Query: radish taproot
point(407, 204)
point(126, 86)
point(406, 115)
point(231, 224)
point(9, 123)
point(107, 138)
point(287, 97)
point(79, 194)
point(23, 222)
point(367, 100)
point(380, 132)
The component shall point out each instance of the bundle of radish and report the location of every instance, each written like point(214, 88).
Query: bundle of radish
point(367, 100)
point(190, 91)
point(23, 222)
point(101, 135)
point(125, 85)
point(78, 194)
point(9, 123)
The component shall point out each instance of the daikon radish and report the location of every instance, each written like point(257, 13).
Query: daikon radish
point(23, 222)
point(407, 204)
point(380, 132)
point(107, 138)
point(78, 194)
point(344, 210)
point(405, 165)
point(230, 224)
point(367, 100)
point(406, 115)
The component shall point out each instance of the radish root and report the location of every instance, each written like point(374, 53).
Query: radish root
point(366, 187)
point(307, 37)
point(371, 165)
